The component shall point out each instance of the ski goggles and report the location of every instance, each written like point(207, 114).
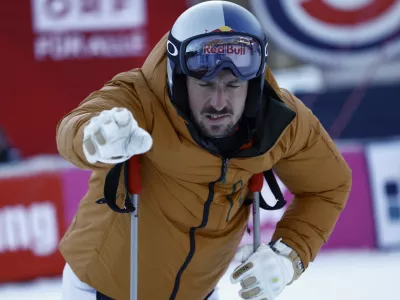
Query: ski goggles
point(204, 57)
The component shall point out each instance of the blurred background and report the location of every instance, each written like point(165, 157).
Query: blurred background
point(340, 57)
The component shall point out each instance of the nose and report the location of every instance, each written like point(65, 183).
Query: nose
point(219, 98)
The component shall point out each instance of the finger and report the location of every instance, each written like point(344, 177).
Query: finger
point(241, 272)
point(105, 117)
point(122, 116)
point(95, 126)
point(90, 150)
point(109, 132)
point(140, 141)
point(91, 128)
point(248, 282)
point(243, 253)
point(251, 293)
point(100, 139)
point(89, 146)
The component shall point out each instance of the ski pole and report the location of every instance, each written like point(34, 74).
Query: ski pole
point(135, 189)
point(255, 186)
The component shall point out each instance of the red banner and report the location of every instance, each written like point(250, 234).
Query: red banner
point(54, 53)
point(31, 226)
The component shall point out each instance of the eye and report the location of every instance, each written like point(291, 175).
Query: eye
point(205, 84)
point(234, 86)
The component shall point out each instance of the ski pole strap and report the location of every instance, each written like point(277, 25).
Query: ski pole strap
point(276, 191)
point(255, 186)
point(132, 183)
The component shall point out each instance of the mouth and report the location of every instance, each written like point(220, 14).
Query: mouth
point(216, 118)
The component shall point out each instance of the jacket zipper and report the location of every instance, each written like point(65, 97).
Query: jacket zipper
point(203, 224)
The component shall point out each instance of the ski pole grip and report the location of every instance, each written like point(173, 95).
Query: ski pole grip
point(256, 183)
point(135, 182)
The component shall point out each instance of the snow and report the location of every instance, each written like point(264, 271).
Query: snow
point(339, 275)
point(41, 289)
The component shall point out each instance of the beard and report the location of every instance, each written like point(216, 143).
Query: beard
point(217, 131)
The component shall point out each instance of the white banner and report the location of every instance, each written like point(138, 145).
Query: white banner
point(87, 15)
point(384, 171)
point(84, 29)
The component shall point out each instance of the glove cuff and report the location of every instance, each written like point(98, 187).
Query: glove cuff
point(283, 249)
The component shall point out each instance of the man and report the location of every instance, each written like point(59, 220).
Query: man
point(206, 114)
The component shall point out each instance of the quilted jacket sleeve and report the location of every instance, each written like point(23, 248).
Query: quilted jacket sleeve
point(319, 178)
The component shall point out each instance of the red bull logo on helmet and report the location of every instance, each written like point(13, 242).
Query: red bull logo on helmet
point(224, 49)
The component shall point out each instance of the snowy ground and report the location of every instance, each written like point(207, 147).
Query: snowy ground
point(333, 276)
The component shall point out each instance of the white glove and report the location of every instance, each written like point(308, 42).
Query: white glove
point(263, 274)
point(114, 136)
